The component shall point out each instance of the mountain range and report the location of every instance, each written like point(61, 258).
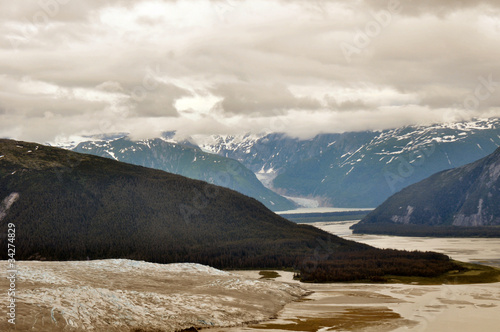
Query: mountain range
point(351, 169)
point(460, 201)
point(357, 169)
point(65, 205)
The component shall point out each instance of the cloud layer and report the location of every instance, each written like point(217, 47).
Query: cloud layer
point(87, 67)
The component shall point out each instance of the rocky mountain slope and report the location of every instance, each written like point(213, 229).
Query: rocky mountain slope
point(358, 169)
point(464, 197)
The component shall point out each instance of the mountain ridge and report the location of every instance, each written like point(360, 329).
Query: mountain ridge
point(352, 169)
point(358, 169)
point(463, 197)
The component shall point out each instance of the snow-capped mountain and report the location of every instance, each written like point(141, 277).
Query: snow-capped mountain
point(358, 169)
point(352, 169)
point(187, 160)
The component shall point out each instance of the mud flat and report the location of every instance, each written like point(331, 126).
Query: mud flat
point(475, 250)
point(395, 307)
point(386, 307)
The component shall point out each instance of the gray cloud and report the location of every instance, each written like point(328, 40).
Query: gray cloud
point(353, 105)
point(260, 99)
point(432, 7)
point(232, 65)
point(48, 100)
point(157, 101)
point(38, 12)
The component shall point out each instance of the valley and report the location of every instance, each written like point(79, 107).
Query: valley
point(351, 282)
point(389, 286)
point(72, 206)
point(118, 294)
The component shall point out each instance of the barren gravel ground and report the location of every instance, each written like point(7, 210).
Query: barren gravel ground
point(126, 295)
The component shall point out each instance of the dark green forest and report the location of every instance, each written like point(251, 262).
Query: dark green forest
point(75, 207)
point(374, 265)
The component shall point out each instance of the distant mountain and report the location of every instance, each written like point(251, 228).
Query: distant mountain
point(358, 169)
point(187, 160)
point(64, 205)
point(460, 199)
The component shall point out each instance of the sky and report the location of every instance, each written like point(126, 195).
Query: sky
point(72, 68)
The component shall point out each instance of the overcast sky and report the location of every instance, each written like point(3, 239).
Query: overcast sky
point(70, 67)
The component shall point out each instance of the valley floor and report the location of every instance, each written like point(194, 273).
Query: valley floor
point(473, 250)
point(386, 307)
point(126, 295)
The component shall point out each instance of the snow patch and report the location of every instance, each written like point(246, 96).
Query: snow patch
point(447, 157)
point(6, 204)
point(404, 219)
point(112, 154)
